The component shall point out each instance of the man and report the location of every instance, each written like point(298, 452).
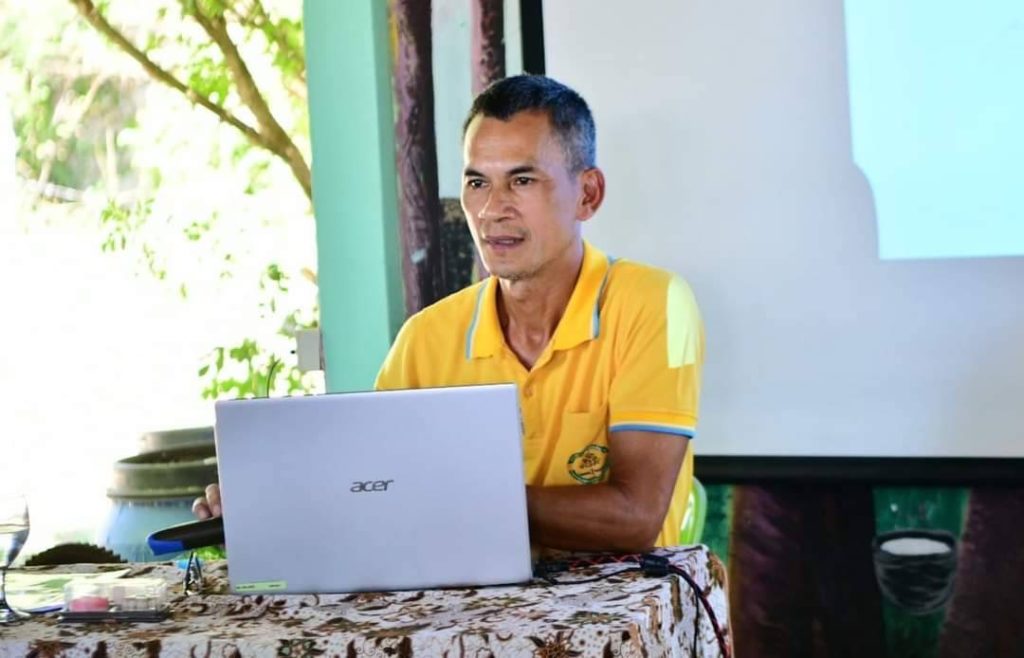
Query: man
point(606, 354)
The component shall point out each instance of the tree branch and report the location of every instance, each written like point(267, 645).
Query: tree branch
point(257, 18)
point(96, 19)
point(276, 139)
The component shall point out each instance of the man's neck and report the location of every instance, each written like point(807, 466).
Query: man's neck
point(530, 309)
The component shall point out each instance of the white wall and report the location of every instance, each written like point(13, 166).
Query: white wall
point(724, 131)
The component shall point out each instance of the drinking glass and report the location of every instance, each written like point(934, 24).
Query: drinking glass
point(13, 533)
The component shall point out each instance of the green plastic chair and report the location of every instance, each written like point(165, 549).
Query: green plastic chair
point(696, 512)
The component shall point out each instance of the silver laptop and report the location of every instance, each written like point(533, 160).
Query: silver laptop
point(374, 491)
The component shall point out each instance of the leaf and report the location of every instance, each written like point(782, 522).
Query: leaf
point(209, 78)
point(212, 8)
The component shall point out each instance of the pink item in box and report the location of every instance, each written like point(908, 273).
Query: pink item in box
point(89, 603)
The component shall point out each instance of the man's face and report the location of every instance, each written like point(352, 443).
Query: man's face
point(520, 199)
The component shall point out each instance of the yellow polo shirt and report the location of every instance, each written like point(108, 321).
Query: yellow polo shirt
point(626, 355)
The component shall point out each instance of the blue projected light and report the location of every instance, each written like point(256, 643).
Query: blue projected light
point(937, 111)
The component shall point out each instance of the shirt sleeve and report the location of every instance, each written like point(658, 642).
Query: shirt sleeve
point(399, 369)
point(656, 387)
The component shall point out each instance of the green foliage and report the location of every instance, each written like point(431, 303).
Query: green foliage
point(208, 76)
point(245, 371)
point(255, 380)
point(63, 123)
point(273, 281)
point(122, 222)
point(197, 229)
point(213, 8)
point(212, 553)
point(193, 199)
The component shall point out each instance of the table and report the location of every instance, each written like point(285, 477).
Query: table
point(623, 614)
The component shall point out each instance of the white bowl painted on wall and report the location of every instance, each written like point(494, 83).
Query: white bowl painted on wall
point(916, 569)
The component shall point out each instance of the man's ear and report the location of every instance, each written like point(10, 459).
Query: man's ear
point(591, 193)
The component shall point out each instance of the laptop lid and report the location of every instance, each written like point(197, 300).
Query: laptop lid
point(374, 491)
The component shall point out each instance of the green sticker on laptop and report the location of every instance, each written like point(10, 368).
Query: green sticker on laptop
point(262, 586)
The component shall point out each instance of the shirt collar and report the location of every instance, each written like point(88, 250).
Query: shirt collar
point(580, 323)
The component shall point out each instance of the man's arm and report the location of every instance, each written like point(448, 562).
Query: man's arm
point(624, 514)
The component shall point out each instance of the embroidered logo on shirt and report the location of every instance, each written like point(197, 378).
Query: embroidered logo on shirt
point(589, 465)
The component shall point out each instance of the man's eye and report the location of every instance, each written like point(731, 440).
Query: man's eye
point(474, 183)
point(522, 180)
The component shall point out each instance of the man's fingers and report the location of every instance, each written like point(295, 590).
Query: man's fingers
point(209, 505)
point(213, 500)
point(200, 509)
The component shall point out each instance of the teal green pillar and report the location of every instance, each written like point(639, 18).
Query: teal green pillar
point(348, 70)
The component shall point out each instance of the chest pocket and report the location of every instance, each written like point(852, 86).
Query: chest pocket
point(581, 454)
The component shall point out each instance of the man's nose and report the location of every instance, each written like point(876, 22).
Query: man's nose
point(496, 205)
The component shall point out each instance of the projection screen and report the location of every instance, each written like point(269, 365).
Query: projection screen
point(843, 187)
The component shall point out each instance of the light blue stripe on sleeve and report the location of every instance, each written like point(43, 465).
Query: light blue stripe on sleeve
point(677, 430)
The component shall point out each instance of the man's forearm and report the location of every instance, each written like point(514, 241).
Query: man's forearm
point(600, 517)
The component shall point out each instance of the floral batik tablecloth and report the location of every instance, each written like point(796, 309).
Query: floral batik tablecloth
point(599, 611)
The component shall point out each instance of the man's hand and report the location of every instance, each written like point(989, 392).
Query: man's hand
point(624, 514)
point(209, 505)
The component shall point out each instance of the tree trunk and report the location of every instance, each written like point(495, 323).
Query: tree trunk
point(985, 617)
point(801, 579)
point(488, 43)
point(488, 53)
point(419, 208)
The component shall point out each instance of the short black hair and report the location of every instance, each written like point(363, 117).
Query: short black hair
point(567, 111)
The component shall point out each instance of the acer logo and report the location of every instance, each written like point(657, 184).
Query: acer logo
point(370, 485)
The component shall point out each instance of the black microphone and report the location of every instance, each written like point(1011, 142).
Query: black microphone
point(195, 534)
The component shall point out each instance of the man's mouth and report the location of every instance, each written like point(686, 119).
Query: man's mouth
point(502, 241)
